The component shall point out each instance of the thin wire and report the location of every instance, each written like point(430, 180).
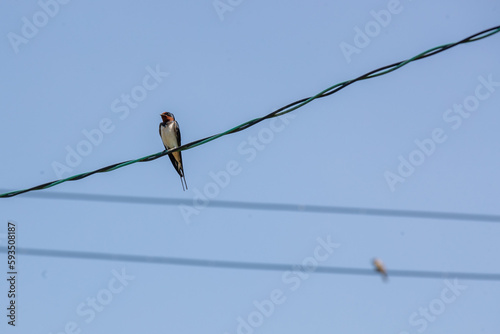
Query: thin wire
point(281, 111)
point(250, 265)
point(288, 207)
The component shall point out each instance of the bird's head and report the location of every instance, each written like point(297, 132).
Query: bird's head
point(167, 117)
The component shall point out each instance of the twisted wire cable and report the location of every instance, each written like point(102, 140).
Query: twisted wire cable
point(278, 112)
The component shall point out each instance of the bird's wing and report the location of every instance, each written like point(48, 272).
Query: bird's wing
point(175, 163)
point(178, 132)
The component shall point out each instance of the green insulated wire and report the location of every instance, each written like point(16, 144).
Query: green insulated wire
point(281, 111)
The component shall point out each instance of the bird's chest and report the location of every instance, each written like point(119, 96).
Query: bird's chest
point(168, 135)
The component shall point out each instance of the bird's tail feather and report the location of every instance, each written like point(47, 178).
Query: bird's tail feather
point(184, 178)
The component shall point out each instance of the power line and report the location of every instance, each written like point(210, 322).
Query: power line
point(281, 111)
point(287, 207)
point(220, 264)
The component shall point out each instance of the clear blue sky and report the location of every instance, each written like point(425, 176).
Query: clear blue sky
point(83, 84)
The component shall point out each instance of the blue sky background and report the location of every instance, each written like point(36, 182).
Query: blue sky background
point(224, 69)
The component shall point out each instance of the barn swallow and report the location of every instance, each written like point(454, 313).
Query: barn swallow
point(380, 267)
point(171, 137)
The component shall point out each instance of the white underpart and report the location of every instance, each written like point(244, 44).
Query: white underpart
point(168, 135)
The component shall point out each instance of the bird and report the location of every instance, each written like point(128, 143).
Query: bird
point(171, 138)
point(380, 267)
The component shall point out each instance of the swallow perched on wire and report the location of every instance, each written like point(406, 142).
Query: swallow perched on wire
point(171, 138)
point(380, 267)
